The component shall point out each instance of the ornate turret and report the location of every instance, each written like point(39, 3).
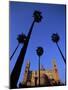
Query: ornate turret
point(55, 71)
point(26, 72)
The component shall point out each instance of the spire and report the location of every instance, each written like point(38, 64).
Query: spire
point(54, 63)
point(28, 64)
point(42, 67)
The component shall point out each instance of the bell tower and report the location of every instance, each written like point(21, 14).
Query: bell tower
point(55, 71)
point(26, 73)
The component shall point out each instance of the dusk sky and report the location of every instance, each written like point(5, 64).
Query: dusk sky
point(21, 18)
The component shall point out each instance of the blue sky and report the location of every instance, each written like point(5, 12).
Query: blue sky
point(53, 22)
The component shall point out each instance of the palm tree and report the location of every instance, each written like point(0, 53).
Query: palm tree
point(39, 53)
point(55, 38)
point(37, 16)
point(17, 69)
point(21, 40)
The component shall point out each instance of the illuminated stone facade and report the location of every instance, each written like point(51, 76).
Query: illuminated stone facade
point(47, 77)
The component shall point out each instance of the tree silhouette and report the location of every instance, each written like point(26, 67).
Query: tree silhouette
point(21, 39)
point(17, 69)
point(37, 16)
point(39, 53)
point(55, 39)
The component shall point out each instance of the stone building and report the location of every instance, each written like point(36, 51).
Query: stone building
point(47, 77)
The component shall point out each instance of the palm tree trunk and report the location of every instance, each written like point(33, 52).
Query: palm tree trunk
point(14, 51)
point(17, 69)
point(39, 70)
point(61, 53)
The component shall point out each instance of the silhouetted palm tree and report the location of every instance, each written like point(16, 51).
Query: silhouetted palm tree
point(17, 69)
point(21, 40)
point(39, 53)
point(37, 16)
point(55, 39)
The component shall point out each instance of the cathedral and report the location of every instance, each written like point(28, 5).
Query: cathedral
point(47, 77)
